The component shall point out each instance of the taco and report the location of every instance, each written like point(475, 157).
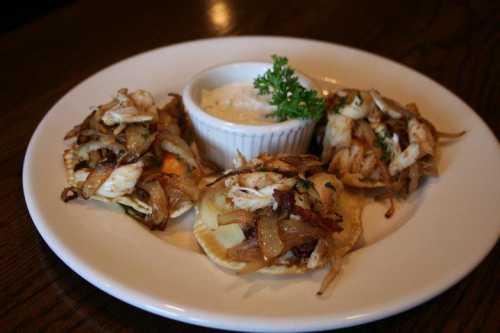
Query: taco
point(131, 152)
point(371, 141)
point(277, 215)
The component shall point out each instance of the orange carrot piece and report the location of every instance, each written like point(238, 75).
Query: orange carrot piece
point(171, 165)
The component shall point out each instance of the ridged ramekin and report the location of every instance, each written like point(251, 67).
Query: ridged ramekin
point(219, 140)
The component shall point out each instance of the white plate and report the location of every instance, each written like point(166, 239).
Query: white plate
point(434, 240)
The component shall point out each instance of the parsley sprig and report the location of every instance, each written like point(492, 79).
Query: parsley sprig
point(291, 99)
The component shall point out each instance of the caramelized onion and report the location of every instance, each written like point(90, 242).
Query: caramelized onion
point(159, 203)
point(335, 265)
point(317, 220)
point(295, 233)
point(268, 237)
point(414, 175)
point(69, 193)
point(364, 132)
point(94, 157)
point(184, 186)
point(243, 217)
point(138, 139)
point(167, 119)
point(246, 251)
point(95, 120)
point(95, 179)
point(301, 163)
point(428, 166)
point(450, 135)
point(388, 187)
point(176, 145)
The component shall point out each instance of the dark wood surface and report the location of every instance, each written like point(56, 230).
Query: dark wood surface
point(456, 43)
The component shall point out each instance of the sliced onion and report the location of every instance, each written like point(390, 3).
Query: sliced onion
point(447, 135)
point(328, 188)
point(295, 232)
point(428, 166)
point(94, 157)
point(176, 145)
point(243, 217)
point(138, 139)
point(204, 167)
point(268, 237)
point(166, 119)
point(95, 121)
point(158, 201)
point(302, 163)
point(414, 175)
point(184, 186)
point(246, 251)
point(336, 265)
point(388, 187)
point(95, 179)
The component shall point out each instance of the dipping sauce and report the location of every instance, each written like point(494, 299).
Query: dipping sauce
point(238, 103)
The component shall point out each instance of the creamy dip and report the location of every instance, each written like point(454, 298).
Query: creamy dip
point(238, 103)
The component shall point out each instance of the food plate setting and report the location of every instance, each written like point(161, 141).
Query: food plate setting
point(265, 184)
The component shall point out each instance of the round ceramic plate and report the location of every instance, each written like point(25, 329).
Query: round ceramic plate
point(436, 237)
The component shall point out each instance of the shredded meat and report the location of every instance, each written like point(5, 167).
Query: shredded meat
point(313, 218)
point(229, 174)
point(286, 202)
point(250, 170)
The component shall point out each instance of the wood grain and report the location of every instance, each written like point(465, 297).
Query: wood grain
point(457, 43)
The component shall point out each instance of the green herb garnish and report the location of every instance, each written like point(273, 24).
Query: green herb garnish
point(287, 94)
point(380, 142)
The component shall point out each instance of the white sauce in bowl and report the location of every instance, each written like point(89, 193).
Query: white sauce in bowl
point(238, 103)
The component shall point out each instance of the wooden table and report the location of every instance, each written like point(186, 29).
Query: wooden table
point(455, 43)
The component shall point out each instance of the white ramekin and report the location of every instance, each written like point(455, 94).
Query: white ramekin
point(219, 140)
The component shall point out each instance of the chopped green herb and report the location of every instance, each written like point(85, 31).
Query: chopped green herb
point(287, 94)
point(386, 150)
